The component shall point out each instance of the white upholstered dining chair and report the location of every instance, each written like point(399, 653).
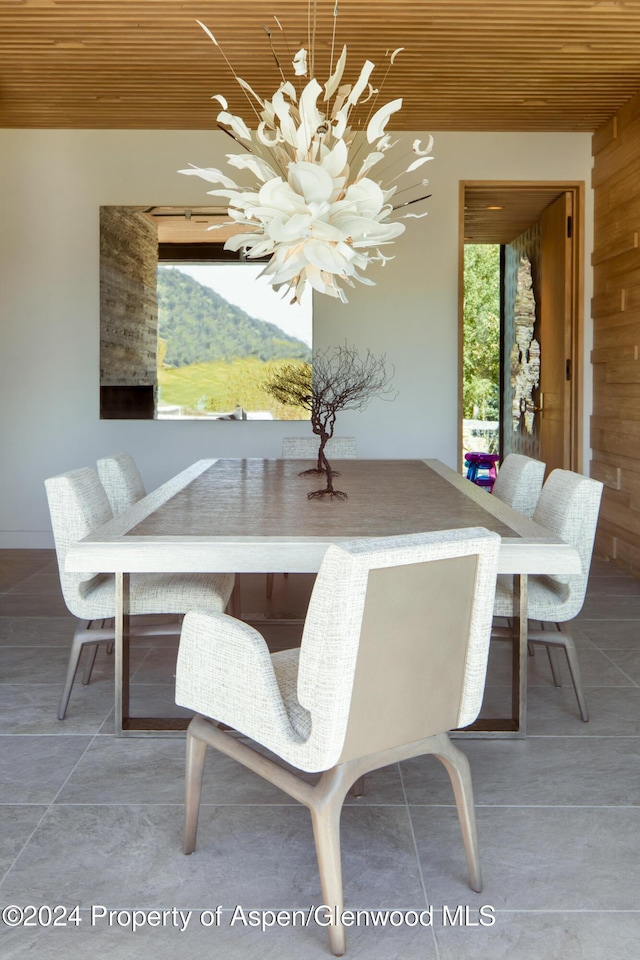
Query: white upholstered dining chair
point(393, 655)
point(306, 448)
point(121, 480)
point(78, 505)
point(568, 505)
point(519, 482)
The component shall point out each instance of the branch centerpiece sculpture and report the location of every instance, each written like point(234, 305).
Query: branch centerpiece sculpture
point(340, 379)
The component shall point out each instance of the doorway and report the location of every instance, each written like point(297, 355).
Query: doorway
point(538, 228)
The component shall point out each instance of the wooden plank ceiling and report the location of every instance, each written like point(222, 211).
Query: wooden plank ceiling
point(500, 212)
point(466, 65)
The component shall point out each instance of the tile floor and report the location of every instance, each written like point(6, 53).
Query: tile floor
point(92, 821)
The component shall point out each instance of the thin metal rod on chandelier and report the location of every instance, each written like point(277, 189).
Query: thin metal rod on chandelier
point(408, 203)
point(333, 36)
point(312, 23)
point(228, 63)
point(275, 55)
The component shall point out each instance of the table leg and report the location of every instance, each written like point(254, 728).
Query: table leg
point(122, 654)
point(520, 634)
point(513, 726)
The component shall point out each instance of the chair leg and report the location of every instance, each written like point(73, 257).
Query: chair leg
point(269, 586)
point(196, 754)
point(81, 637)
point(234, 607)
point(574, 670)
point(325, 817)
point(457, 767)
point(564, 639)
point(90, 660)
point(553, 664)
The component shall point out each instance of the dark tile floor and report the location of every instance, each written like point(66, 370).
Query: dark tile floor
point(93, 821)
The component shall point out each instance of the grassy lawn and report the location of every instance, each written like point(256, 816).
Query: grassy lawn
point(220, 386)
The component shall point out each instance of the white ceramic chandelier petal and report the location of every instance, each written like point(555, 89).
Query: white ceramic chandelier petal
point(375, 127)
point(305, 210)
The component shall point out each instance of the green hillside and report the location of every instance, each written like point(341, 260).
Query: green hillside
point(200, 326)
point(219, 386)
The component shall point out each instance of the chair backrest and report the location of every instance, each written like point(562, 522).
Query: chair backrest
point(121, 480)
point(396, 641)
point(519, 482)
point(568, 505)
point(77, 505)
point(306, 448)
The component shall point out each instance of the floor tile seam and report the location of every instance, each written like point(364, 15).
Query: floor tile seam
point(236, 804)
point(259, 804)
point(44, 568)
point(582, 736)
point(80, 736)
point(88, 746)
point(618, 667)
point(148, 656)
point(617, 619)
point(484, 805)
point(559, 911)
point(67, 618)
point(91, 733)
point(26, 842)
point(416, 854)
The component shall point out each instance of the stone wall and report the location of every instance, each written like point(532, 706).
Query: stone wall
point(128, 301)
point(519, 314)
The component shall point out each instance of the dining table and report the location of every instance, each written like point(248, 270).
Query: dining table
point(253, 515)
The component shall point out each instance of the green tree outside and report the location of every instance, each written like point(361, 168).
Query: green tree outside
point(481, 339)
point(481, 355)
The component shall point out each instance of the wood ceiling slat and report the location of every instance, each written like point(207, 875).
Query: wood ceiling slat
point(467, 64)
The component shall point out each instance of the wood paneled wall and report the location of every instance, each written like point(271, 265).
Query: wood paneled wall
point(615, 425)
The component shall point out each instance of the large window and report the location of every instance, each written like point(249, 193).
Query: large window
point(187, 329)
point(222, 330)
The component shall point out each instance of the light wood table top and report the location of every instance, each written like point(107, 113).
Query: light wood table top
point(253, 515)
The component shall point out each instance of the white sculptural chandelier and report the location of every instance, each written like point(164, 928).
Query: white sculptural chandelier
point(312, 206)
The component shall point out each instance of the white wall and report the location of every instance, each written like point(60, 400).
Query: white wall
point(52, 184)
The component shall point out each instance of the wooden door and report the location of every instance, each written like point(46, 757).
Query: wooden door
point(556, 333)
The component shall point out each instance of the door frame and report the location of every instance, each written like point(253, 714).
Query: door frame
point(577, 189)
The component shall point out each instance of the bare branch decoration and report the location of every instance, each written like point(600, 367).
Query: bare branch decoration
point(340, 379)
